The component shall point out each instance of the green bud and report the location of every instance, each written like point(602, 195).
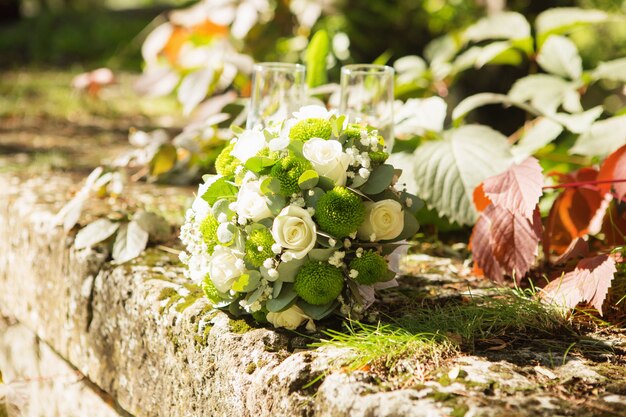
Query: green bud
point(371, 267)
point(287, 171)
point(318, 283)
point(311, 128)
point(208, 230)
point(259, 238)
point(225, 163)
point(340, 212)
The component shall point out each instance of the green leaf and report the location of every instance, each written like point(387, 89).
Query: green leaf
point(311, 200)
point(284, 300)
point(321, 254)
point(578, 122)
point(316, 55)
point(611, 70)
point(602, 138)
point(500, 53)
point(287, 271)
point(447, 171)
point(259, 163)
point(317, 312)
point(247, 282)
point(237, 130)
point(164, 160)
point(221, 188)
point(308, 179)
point(411, 226)
point(157, 227)
point(379, 180)
point(276, 203)
point(326, 183)
point(559, 56)
point(295, 146)
point(415, 203)
point(277, 287)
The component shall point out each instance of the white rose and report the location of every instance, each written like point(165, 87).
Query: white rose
point(383, 219)
point(251, 203)
point(294, 230)
point(290, 319)
point(225, 267)
point(328, 159)
point(248, 145)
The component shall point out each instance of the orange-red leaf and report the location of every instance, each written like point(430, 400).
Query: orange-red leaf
point(481, 201)
point(589, 281)
point(614, 225)
point(518, 188)
point(579, 248)
point(572, 212)
point(614, 167)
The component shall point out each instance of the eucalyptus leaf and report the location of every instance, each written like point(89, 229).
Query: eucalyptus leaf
point(270, 185)
point(325, 183)
point(94, 233)
point(276, 203)
point(247, 282)
point(277, 287)
point(259, 163)
point(284, 300)
point(321, 254)
point(379, 180)
point(287, 271)
point(312, 196)
point(255, 295)
point(308, 179)
point(317, 312)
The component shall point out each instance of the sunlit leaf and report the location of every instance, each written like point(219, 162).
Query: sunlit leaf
point(447, 171)
point(546, 93)
point(482, 250)
point(611, 70)
point(194, 88)
point(221, 188)
point(506, 25)
point(614, 168)
point(94, 233)
point(559, 56)
point(578, 122)
point(316, 55)
point(157, 81)
point(517, 189)
point(589, 282)
point(602, 138)
point(539, 134)
point(164, 160)
point(562, 19)
point(483, 99)
point(131, 240)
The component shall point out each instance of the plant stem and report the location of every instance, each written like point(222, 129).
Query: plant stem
point(583, 183)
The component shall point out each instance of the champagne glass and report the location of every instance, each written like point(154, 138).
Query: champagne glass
point(277, 91)
point(367, 97)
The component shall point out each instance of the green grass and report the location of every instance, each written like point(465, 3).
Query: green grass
point(428, 334)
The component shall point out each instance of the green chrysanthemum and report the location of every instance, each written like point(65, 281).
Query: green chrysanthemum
point(378, 157)
point(371, 267)
point(259, 247)
point(318, 283)
point(340, 212)
point(287, 171)
point(208, 230)
point(353, 132)
point(225, 163)
point(210, 291)
point(311, 128)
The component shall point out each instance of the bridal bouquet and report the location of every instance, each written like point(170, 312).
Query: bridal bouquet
point(302, 220)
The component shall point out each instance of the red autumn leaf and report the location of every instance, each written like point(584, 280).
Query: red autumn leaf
point(572, 212)
point(579, 248)
point(589, 281)
point(614, 225)
point(515, 240)
point(518, 188)
point(481, 201)
point(614, 168)
point(482, 250)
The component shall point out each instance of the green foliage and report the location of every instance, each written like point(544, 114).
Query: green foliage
point(316, 58)
point(318, 283)
point(340, 212)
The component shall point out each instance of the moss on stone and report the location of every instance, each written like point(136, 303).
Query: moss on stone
point(251, 368)
point(239, 326)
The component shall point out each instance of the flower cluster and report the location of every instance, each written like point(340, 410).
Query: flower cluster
point(302, 220)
